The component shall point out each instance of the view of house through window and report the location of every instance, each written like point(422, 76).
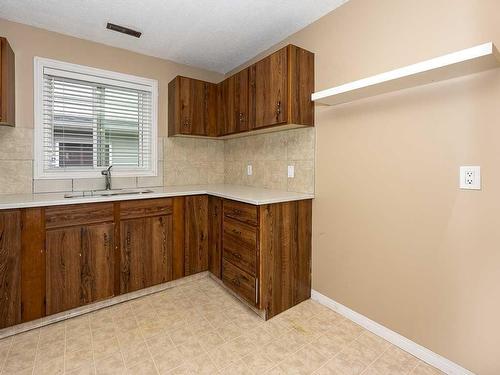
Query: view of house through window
point(91, 123)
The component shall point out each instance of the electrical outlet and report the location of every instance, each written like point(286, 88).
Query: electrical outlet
point(291, 171)
point(470, 177)
point(249, 170)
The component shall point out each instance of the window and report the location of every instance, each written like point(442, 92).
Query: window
point(87, 119)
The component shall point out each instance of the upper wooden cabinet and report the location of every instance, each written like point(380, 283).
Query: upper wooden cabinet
point(281, 86)
point(233, 103)
point(7, 82)
point(268, 96)
point(192, 107)
point(275, 91)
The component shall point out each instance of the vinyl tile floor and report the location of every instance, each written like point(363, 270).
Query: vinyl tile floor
point(199, 328)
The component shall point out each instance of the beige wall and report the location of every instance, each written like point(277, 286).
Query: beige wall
point(394, 237)
point(16, 144)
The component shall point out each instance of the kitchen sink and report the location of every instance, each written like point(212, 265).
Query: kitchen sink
point(106, 193)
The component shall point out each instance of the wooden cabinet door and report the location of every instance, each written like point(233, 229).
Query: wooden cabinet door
point(191, 96)
point(241, 100)
point(198, 107)
point(79, 266)
point(226, 106)
point(146, 252)
point(132, 269)
point(10, 268)
point(268, 94)
point(211, 127)
point(98, 260)
point(196, 234)
point(161, 248)
point(215, 235)
point(233, 106)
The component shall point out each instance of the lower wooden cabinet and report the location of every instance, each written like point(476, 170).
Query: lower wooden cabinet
point(215, 235)
point(196, 234)
point(266, 257)
point(57, 258)
point(79, 266)
point(10, 267)
point(146, 252)
point(241, 282)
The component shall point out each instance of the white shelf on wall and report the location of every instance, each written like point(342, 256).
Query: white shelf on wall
point(464, 62)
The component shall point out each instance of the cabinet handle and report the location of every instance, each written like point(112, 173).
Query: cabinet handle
point(128, 238)
point(278, 108)
point(241, 117)
point(236, 255)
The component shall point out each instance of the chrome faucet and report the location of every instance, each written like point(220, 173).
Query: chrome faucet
point(107, 175)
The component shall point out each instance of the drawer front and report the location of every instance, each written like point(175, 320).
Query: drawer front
point(239, 281)
point(240, 245)
point(78, 214)
point(145, 207)
point(243, 212)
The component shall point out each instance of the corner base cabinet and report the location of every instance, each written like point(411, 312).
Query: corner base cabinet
point(266, 253)
point(58, 258)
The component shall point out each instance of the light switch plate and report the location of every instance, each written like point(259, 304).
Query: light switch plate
point(291, 171)
point(249, 170)
point(470, 177)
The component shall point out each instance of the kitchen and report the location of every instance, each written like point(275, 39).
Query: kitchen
point(179, 203)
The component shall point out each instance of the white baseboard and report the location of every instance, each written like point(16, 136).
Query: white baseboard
point(402, 342)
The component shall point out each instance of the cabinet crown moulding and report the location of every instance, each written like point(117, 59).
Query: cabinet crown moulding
point(468, 61)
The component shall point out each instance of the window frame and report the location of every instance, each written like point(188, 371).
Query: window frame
point(98, 75)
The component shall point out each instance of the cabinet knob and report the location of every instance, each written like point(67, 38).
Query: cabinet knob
point(236, 255)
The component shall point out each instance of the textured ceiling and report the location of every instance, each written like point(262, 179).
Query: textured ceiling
point(217, 35)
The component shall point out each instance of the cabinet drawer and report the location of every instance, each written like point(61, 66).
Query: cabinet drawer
point(78, 214)
point(145, 207)
point(240, 245)
point(246, 213)
point(239, 281)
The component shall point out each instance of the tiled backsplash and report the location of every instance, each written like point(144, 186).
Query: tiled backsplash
point(182, 161)
point(193, 161)
point(16, 160)
point(270, 155)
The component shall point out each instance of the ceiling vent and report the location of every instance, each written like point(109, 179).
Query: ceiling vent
point(123, 30)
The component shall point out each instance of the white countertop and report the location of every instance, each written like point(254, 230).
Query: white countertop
point(244, 194)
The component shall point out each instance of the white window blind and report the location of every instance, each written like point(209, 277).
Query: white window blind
point(90, 119)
